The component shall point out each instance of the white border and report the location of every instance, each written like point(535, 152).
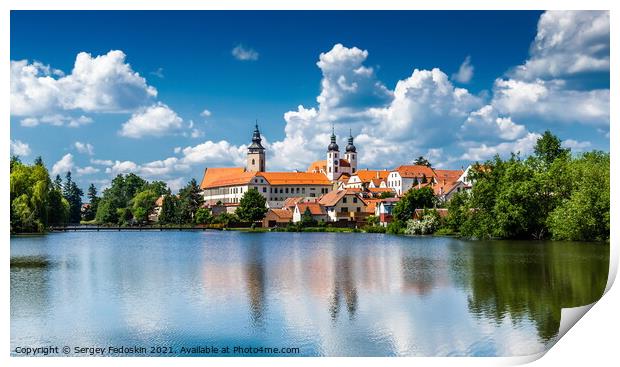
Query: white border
point(592, 340)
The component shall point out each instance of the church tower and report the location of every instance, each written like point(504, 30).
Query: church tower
point(351, 154)
point(333, 159)
point(256, 153)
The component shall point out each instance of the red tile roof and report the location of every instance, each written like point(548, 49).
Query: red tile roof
point(216, 177)
point(282, 213)
point(294, 178)
point(411, 171)
point(315, 208)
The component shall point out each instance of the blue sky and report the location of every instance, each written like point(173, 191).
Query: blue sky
point(140, 108)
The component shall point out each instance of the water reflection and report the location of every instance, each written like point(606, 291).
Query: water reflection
point(331, 294)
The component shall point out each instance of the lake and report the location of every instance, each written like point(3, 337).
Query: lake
point(309, 294)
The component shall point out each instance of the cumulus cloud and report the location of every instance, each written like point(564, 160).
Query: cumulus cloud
point(88, 170)
point(56, 120)
point(205, 113)
point(156, 120)
point(102, 162)
point(20, 148)
point(486, 124)
point(481, 152)
point(550, 101)
point(465, 73)
point(243, 53)
point(64, 165)
point(84, 148)
point(568, 43)
point(214, 153)
point(104, 83)
point(576, 146)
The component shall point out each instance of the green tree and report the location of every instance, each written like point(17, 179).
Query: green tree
point(191, 200)
point(29, 191)
point(306, 218)
point(143, 204)
point(251, 207)
point(412, 200)
point(549, 147)
point(73, 194)
point(91, 211)
point(170, 210)
point(203, 216)
point(421, 161)
point(57, 208)
point(585, 214)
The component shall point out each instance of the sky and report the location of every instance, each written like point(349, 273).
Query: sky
point(166, 94)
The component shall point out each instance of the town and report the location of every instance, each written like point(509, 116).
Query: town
point(332, 190)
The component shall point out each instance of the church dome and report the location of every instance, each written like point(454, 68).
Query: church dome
point(350, 147)
point(332, 145)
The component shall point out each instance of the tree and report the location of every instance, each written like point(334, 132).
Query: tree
point(549, 147)
point(142, 205)
point(386, 194)
point(412, 200)
point(252, 206)
point(191, 200)
point(585, 214)
point(306, 218)
point(91, 211)
point(38, 161)
point(58, 183)
point(29, 195)
point(73, 194)
point(421, 161)
point(57, 208)
point(170, 210)
point(203, 216)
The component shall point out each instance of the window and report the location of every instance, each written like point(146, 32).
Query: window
point(335, 169)
point(261, 180)
point(303, 190)
point(353, 170)
point(297, 190)
point(344, 209)
point(359, 209)
point(253, 161)
point(355, 200)
point(344, 200)
point(286, 190)
point(281, 191)
point(264, 189)
point(329, 169)
point(353, 156)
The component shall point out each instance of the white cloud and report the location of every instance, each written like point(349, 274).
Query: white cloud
point(465, 73)
point(20, 148)
point(197, 133)
point(88, 170)
point(105, 83)
point(155, 169)
point(102, 162)
point(486, 123)
point(176, 184)
point(550, 101)
point(158, 73)
point(524, 146)
point(64, 165)
point(568, 43)
point(214, 153)
point(206, 113)
point(56, 120)
point(156, 120)
point(575, 145)
point(243, 53)
point(84, 148)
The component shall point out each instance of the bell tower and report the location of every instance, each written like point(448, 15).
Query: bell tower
point(333, 159)
point(256, 153)
point(351, 154)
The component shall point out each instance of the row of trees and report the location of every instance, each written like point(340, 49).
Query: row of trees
point(550, 194)
point(37, 202)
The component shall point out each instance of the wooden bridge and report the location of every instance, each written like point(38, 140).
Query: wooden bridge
point(96, 228)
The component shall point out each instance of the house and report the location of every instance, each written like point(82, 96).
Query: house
point(316, 210)
point(154, 214)
point(277, 217)
point(405, 177)
point(448, 183)
point(383, 210)
point(364, 178)
point(419, 213)
point(345, 205)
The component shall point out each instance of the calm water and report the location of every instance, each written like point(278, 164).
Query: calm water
point(334, 294)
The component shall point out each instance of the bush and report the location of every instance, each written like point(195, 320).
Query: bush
point(374, 229)
point(427, 225)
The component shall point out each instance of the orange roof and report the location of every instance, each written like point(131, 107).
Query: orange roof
point(344, 177)
point(317, 166)
point(448, 174)
point(380, 189)
point(367, 175)
point(294, 178)
point(333, 197)
point(159, 201)
point(377, 181)
point(315, 208)
point(371, 205)
point(411, 171)
point(212, 176)
point(282, 213)
point(288, 202)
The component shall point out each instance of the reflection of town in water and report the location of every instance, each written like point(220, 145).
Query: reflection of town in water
point(330, 294)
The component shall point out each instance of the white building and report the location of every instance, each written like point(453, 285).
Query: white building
point(403, 178)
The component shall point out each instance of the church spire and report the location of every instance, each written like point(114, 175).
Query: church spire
point(332, 145)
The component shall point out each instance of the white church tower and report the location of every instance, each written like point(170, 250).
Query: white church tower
point(351, 154)
point(256, 153)
point(333, 159)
